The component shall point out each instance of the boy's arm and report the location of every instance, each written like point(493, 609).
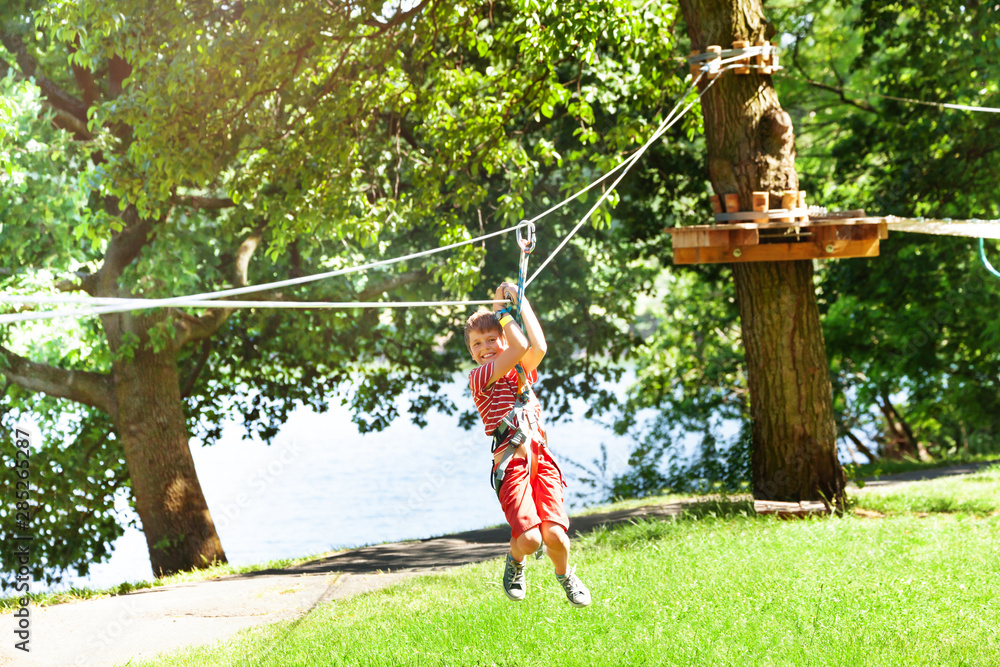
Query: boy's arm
point(517, 344)
point(532, 329)
point(536, 339)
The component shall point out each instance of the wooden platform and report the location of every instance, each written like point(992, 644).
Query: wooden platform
point(831, 236)
point(789, 510)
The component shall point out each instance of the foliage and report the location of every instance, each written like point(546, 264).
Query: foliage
point(916, 324)
point(341, 135)
point(912, 331)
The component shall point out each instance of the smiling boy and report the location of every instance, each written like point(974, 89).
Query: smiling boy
point(526, 478)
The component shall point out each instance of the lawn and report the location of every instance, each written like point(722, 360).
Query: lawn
point(977, 494)
point(719, 587)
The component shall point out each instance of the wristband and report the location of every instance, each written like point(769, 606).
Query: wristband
point(505, 320)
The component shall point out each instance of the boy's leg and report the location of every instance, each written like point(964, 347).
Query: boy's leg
point(549, 500)
point(519, 507)
point(525, 543)
point(557, 543)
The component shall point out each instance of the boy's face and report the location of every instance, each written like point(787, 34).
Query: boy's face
point(486, 346)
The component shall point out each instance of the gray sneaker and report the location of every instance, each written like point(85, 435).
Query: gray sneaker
point(514, 584)
point(576, 592)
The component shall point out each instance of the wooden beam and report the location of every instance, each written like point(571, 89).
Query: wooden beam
point(985, 229)
point(813, 222)
point(778, 252)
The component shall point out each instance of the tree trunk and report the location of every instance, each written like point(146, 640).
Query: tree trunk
point(179, 530)
point(862, 447)
point(751, 148)
point(900, 441)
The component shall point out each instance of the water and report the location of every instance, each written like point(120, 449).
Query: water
point(322, 485)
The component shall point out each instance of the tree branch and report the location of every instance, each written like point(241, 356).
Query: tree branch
point(207, 203)
point(55, 95)
point(122, 251)
point(93, 389)
point(199, 366)
point(84, 78)
point(397, 19)
point(864, 106)
point(861, 447)
point(204, 327)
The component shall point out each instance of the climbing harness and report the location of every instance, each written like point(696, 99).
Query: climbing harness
point(520, 425)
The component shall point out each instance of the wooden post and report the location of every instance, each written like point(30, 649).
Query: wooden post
point(713, 66)
point(789, 200)
point(763, 58)
point(760, 202)
point(742, 44)
point(694, 68)
point(732, 203)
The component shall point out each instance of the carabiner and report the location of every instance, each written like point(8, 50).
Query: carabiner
point(526, 244)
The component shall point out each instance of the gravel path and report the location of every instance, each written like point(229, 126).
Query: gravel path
point(111, 631)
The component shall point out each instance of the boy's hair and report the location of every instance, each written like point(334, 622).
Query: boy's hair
point(481, 321)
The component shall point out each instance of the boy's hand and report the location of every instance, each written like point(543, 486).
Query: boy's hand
point(505, 292)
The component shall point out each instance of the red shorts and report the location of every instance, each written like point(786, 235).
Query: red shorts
point(528, 502)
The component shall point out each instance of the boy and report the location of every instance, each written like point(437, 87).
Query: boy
point(528, 482)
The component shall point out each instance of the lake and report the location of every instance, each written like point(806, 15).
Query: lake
point(322, 485)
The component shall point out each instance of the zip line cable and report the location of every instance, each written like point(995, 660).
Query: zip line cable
point(667, 123)
point(908, 100)
point(207, 299)
point(138, 304)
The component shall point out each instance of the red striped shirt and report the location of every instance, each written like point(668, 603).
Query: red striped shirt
point(496, 400)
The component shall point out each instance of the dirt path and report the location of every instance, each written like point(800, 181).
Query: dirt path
point(111, 631)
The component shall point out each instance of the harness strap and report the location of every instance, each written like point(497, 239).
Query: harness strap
point(526, 431)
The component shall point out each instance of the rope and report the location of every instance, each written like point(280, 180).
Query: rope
point(122, 305)
point(224, 303)
point(986, 262)
point(667, 123)
point(908, 100)
point(526, 245)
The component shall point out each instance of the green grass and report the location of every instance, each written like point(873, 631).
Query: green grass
point(728, 588)
point(213, 572)
point(977, 494)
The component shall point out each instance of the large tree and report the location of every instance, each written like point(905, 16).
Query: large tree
point(751, 148)
point(219, 145)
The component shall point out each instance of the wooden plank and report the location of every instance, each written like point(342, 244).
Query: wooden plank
point(813, 222)
point(776, 252)
point(790, 509)
point(691, 237)
point(986, 229)
point(745, 237)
